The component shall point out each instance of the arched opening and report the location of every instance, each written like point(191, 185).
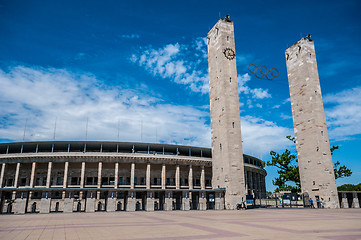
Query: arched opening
point(156, 207)
point(137, 206)
point(33, 207)
point(78, 207)
point(119, 206)
point(10, 208)
point(99, 206)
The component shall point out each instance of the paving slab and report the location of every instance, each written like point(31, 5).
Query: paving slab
point(338, 224)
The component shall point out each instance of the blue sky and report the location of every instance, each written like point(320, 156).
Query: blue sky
point(142, 66)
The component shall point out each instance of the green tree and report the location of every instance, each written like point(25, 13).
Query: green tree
point(287, 170)
point(287, 165)
point(340, 171)
point(349, 187)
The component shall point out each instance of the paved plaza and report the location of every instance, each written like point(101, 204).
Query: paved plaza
point(250, 224)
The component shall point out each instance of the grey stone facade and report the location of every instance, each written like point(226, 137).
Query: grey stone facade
point(312, 142)
point(45, 177)
point(227, 153)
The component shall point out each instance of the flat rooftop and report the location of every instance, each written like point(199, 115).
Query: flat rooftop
point(249, 224)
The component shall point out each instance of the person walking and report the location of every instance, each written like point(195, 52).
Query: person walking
point(311, 203)
point(318, 202)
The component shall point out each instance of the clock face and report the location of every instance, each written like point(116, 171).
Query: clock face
point(229, 53)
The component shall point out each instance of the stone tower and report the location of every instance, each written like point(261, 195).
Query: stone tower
point(312, 143)
point(227, 153)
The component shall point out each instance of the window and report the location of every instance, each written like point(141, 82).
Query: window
point(168, 181)
point(135, 180)
point(37, 182)
point(142, 181)
point(89, 180)
point(197, 182)
point(208, 183)
point(23, 182)
point(74, 181)
point(186, 182)
point(120, 181)
point(10, 182)
point(44, 181)
point(155, 181)
point(111, 181)
point(105, 181)
point(128, 180)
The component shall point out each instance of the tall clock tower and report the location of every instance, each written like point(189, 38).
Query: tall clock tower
point(227, 152)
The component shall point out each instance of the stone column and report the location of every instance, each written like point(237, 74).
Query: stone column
point(17, 175)
point(219, 201)
point(355, 201)
point(251, 181)
point(163, 176)
point(147, 179)
point(177, 177)
point(100, 165)
point(32, 176)
point(2, 174)
point(82, 175)
point(344, 203)
point(66, 169)
point(90, 202)
point(246, 180)
point(132, 175)
point(48, 176)
point(185, 201)
point(65, 180)
point(116, 175)
point(190, 177)
point(168, 205)
point(203, 184)
point(150, 201)
point(131, 202)
point(258, 179)
point(202, 201)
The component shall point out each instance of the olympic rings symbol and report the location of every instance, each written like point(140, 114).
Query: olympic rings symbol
point(263, 71)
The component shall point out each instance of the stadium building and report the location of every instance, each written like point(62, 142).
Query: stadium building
point(59, 176)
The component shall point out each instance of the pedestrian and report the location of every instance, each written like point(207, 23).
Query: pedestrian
point(318, 202)
point(321, 203)
point(311, 203)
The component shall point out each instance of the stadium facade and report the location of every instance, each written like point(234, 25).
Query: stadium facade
point(59, 176)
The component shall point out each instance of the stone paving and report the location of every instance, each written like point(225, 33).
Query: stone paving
point(251, 224)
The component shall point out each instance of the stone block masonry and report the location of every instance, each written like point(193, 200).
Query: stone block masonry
point(312, 142)
point(227, 152)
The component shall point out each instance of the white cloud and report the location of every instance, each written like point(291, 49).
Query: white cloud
point(343, 112)
point(243, 88)
point(242, 83)
point(260, 93)
point(174, 62)
point(261, 136)
point(42, 95)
